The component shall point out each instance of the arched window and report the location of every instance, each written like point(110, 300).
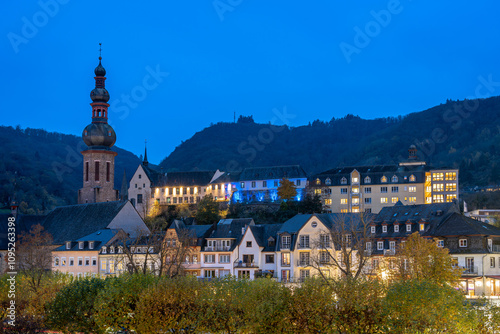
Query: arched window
point(328, 181)
point(394, 178)
point(343, 181)
point(368, 179)
point(412, 178)
point(318, 181)
point(383, 179)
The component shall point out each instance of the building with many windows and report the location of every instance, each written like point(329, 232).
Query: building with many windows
point(371, 188)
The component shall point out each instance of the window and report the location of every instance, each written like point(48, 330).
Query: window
point(328, 201)
point(103, 265)
point(285, 241)
point(440, 243)
point(304, 241)
point(80, 245)
point(355, 190)
point(343, 190)
point(103, 250)
point(225, 258)
point(383, 200)
point(91, 245)
point(56, 261)
point(384, 228)
point(394, 189)
point(304, 274)
point(392, 245)
point(209, 258)
point(394, 179)
point(97, 170)
point(394, 199)
point(383, 179)
point(451, 187)
point(80, 261)
point(368, 179)
point(324, 240)
point(412, 189)
point(242, 184)
point(304, 258)
point(462, 242)
point(368, 246)
point(318, 181)
point(380, 245)
point(450, 198)
point(437, 187)
point(253, 184)
point(285, 259)
point(68, 245)
point(383, 189)
point(368, 190)
point(87, 261)
point(264, 184)
point(422, 226)
point(71, 261)
point(269, 258)
point(94, 261)
point(368, 200)
point(408, 227)
point(492, 262)
point(297, 182)
point(343, 181)
point(412, 178)
point(438, 198)
point(328, 181)
point(372, 229)
point(249, 244)
point(396, 228)
point(86, 170)
point(355, 200)
point(209, 273)
point(195, 258)
point(437, 176)
point(343, 201)
point(413, 199)
point(139, 198)
point(451, 176)
point(344, 211)
point(108, 171)
point(276, 183)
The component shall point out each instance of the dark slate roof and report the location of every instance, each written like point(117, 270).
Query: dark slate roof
point(100, 238)
point(23, 223)
point(186, 179)
point(228, 177)
point(231, 229)
point(459, 225)
point(67, 223)
point(374, 172)
point(294, 224)
point(275, 172)
point(153, 175)
point(262, 233)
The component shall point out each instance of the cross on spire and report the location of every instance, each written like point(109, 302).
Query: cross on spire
point(100, 49)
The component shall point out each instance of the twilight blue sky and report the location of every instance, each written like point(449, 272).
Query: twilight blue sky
point(319, 60)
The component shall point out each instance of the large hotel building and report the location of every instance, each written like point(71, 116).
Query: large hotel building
point(371, 188)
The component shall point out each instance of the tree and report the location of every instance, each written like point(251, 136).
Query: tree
point(208, 210)
point(179, 244)
point(342, 246)
point(286, 190)
point(311, 204)
point(34, 255)
point(421, 259)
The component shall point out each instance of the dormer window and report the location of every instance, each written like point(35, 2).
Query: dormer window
point(408, 227)
point(394, 179)
point(412, 178)
point(270, 242)
point(384, 228)
point(422, 226)
point(383, 179)
point(68, 245)
point(120, 250)
point(372, 229)
point(112, 250)
point(343, 181)
point(462, 242)
point(396, 228)
point(318, 181)
point(368, 179)
point(103, 250)
point(328, 181)
point(80, 245)
point(91, 245)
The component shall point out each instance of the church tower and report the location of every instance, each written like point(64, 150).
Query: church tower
point(98, 159)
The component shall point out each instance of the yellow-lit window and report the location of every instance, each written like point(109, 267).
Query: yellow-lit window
point(451, 176)
point(355, 210)
point(428, 178)
point(328, 201)
point(438, 187)
point(343, 201)
point(422, 226)
point(438, 198)
point(355, 200)
point(451, 187)
point(428, 189)
point(383, 200)
point(413, 199)
point(394, 199)
point(428, 200)
point(412, 189)
point(383, 179)
point(412, 178)
point(437, 176)
point(103, 264)
point(450, 198)
point(355, 190)
point(343, 210)
point(355, 180)
point(317, 191)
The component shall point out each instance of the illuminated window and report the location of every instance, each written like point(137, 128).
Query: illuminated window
point(383, 179)
point(422, 226)
point(394, 199)
point(438, 198)
point(451, 176)
point(355, 190)
point(317, 191)
point(355, 180)
point(383, 200)
point(344, 211)
point(450, 198)
point(355, 210)
point(438, 187)
point(412, 189)
point(437, 176)
point(355, 200)
point(328, 201)
point(343, 201)
point(451, 187)
point(413, 199)
point(412, 178)
point(318, 181)
point(368, 179)
point(343, 181)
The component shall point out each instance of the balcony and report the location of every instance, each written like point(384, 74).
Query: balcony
point(472, 270)
point(303, 263)
point(243, 264)
point(217, 248)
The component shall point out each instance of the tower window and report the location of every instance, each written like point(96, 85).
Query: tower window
point(108, 171)
point(96, 171)
point(86, 170)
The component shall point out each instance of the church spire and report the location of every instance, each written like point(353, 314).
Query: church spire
point(145, 161)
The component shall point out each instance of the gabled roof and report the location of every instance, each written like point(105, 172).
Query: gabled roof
point(153, 175)
point(69, 223)
point(294, 224)
point(457, 224)
point(275, 172)
point(262, 233)
point(431, 212)
point(186, 179)
point(100, 238)
point(231, 229)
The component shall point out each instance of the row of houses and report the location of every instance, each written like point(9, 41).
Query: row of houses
point(304, 246)
point(346, 189)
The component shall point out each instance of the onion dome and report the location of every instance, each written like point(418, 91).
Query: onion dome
point(99, 70)
point(99, 94)
point(99, 135)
